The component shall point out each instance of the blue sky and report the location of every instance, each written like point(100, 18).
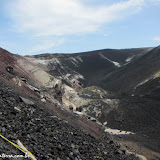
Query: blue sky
point(30, 27)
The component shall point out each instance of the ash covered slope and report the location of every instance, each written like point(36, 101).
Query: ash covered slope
point(135, 73)
point(46, 130)
point(138, 110)
point(88, 67)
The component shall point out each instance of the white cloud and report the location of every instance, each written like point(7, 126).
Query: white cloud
point(156, 39)
point(67, 17)
point(47, 44)
point(106, 35)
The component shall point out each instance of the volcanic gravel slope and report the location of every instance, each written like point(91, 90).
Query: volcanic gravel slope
point(140, 116)
point(131, 75)
point(138, 81)
point(92, 66)
point(46, 135)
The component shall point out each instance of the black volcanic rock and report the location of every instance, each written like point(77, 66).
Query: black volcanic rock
point(45, 135)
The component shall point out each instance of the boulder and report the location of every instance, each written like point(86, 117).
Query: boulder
point(26, 101)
